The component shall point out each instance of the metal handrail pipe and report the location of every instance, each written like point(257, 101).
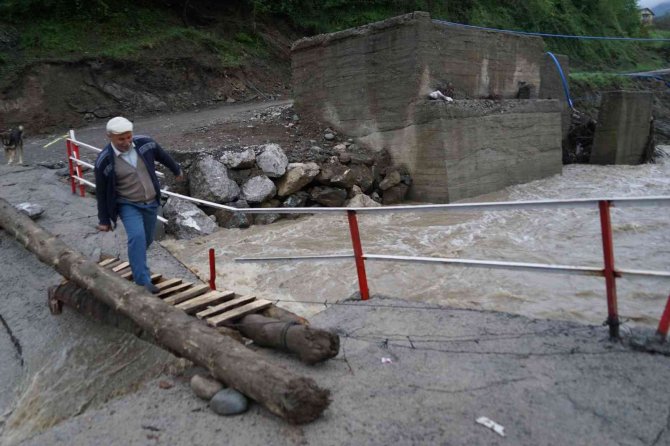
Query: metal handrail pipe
point(83, 163)
point(296, 258)
point(579, 270)
point(643, 273)
point(491, 206)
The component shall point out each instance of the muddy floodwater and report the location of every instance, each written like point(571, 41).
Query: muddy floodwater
point(552, 236)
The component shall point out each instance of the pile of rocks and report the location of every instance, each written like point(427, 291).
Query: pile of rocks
point(262, 176)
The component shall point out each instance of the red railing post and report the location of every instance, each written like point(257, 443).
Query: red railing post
point(358, 255)
point(68, 144)
point(663, 326)
point(80, 173)
point(212, 270)
point(609, 271)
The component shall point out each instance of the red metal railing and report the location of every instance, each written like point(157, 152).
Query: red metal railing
point(609, 272)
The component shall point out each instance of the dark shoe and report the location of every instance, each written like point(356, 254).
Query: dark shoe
point(153, 289)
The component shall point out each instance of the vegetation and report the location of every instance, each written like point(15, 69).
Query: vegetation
point(76, 28)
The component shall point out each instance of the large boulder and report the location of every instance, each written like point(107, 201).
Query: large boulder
point(362, 201)
point(186, 220)
point(362, 176)
point(390, 180)
point(329, 196)
point(335, 174)
point(272, 160)
point(259, 189)
point(268, 218)
point(297, 200)
point(209, 180)
point(395, 194)
point(298, 175)
point(244, 159)
point(229, 219)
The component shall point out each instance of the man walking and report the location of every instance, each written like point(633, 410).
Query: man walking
point(127, 187)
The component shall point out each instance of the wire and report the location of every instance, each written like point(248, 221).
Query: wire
point(562, 36)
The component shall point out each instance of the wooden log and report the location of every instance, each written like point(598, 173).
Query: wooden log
point(312, 345)
point(86, 304)
point(296, 398)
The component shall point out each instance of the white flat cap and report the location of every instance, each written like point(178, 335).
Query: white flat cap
point(119, 125)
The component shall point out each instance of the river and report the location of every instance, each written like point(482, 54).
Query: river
point(555, 236)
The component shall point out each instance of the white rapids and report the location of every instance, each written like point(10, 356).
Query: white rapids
point(552, 236)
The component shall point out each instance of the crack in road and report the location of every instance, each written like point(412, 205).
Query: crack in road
point(665, 429)
point(14, 339)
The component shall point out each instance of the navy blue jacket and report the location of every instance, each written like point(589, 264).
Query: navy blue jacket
point(105, 177)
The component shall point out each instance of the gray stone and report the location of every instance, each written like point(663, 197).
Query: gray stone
point(32, 210)
point(229, 402)
point(295, 118)
point(345, 158)
point(239, 160)
point(259, 189)
point(186, 220)
point(340, 147)
point(241, 176)
point(361, 157)
point(205, 387)
point(375, 196)
point(272, 160)
point(229, 219)
point(382, 160)
point(362, 176)
point(266, 219)
point(362, 201)
point(395, 194)
point(297, 200)
point(336, 174)
point(329, 137)
point(298, 175)
point(329, 196)
point(209, 180)
point(391, 180)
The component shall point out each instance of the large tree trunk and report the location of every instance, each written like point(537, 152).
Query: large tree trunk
point(297, 399)
point(311, 345)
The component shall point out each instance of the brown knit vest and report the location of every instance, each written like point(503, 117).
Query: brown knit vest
point(133, 184)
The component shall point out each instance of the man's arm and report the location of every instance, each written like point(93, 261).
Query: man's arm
point(166, 160)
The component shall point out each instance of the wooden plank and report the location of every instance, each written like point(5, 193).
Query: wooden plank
point(127, 275)
point(156, 277)
point(225, 306)
point(121, 266)
point(114, 263)
point(181, 287)
point(107, 262)
point(167, 283)
point(188, 294)
point(211, 298)
point(235, 313)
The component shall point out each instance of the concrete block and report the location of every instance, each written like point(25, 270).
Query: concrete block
point(623, 127)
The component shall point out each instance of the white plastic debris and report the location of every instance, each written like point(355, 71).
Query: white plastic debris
point(437, 94)
point(386, 361)
point(495, 427)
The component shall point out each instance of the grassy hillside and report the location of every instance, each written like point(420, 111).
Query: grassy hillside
point(229, 33)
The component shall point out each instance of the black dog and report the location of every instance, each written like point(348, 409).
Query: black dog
point(12, 139)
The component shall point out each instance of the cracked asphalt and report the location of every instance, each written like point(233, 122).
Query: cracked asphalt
point(408, 373)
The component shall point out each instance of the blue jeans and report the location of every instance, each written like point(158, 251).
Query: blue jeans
point(140, 222)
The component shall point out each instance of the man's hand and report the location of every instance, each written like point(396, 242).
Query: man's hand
point(104, 228)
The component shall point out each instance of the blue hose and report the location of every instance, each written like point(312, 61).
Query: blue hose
point(564, 81)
